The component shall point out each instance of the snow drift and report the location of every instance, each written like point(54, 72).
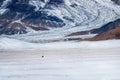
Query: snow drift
point(12, 44)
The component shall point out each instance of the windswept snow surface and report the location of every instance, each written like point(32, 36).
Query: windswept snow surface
point(12, 44)
point(66, 64)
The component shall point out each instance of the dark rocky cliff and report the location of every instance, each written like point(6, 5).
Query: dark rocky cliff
point(21, 15)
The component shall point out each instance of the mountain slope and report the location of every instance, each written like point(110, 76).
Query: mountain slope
point(54, 19)
point(109, 31)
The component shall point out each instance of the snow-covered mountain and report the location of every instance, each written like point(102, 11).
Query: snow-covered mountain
point(116, 1)
point(40, 20)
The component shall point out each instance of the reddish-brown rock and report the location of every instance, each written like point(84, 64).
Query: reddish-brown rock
point(79, 33)
point(111, 34)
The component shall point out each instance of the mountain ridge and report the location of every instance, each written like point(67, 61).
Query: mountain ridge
point(51, 19)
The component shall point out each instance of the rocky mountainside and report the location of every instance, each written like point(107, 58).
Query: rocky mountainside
point(55, 19)
point(19, 15)
point(108, 31)
point(116, 1)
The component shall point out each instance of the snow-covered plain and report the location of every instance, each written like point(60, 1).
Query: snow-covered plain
point(64, 64)
point(21, 55)
point(13, 44)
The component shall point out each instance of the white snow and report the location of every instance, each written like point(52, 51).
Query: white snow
point(86, 60)
point(2, 11)
point(67, 2)
point(86, 15)
point(12, 44)
point(3, 6)
point(38, 4)
point(66, 64)
point(5, 3)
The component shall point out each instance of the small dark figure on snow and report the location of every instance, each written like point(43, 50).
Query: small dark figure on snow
point(42, 56)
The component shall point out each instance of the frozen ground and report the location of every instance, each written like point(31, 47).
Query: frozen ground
point(13, 44)
point(64, 64)
point(98, 60)
point(64, 60)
